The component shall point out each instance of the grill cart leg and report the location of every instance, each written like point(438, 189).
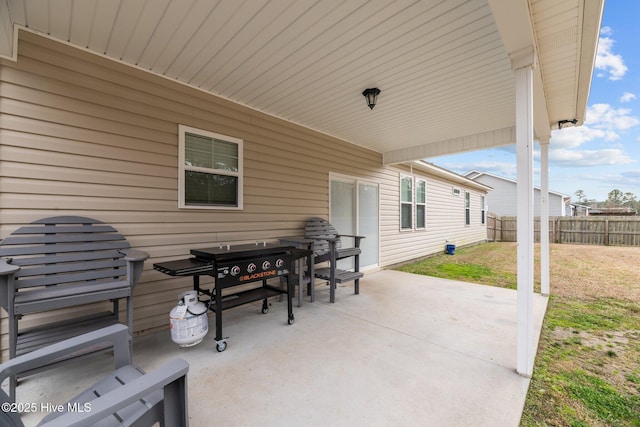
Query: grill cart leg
point(221, 342)
point(290, 291)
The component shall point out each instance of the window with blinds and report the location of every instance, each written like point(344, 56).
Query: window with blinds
point(210, 170)
point(421, 203)
point(406, 203)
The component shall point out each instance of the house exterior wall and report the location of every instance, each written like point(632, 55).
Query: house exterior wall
point(445, 221)
point(83, 135)
point(502, 199)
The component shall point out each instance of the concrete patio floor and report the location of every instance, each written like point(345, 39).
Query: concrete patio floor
point(408, 351)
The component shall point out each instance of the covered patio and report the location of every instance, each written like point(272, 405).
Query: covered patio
point(409, 350)
point(94, 97)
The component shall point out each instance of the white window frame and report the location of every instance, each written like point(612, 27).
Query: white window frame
point(483, 210)
point(415, 208)
point(467, 208)
point(182, 168)
point(410, 203)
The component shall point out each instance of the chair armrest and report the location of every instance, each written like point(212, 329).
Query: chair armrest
point(355, 238)
point(6, 268)
point(134, 254)
point(352, 235)
point(121, 397)
point(328, 239)
point(135, 262)
point(296, 240)
point(118, 335)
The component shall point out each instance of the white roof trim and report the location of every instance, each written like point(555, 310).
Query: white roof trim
point(474, 174)
point(480, 141)
point(448, 175)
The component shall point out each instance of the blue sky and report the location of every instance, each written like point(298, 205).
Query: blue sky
point(604, 153)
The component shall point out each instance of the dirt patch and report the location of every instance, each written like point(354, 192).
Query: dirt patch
point(609, 355)
point(612, 344)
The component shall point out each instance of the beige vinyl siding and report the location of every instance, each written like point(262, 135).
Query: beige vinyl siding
point(84, 135)
point(445, 222)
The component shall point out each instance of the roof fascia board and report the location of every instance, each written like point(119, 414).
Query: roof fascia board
point(448, 175)
point(480, 141)
point(592, 11)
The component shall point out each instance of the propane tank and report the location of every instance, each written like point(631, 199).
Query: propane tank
point(188, 320)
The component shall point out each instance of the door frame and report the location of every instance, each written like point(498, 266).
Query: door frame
point(333, 176)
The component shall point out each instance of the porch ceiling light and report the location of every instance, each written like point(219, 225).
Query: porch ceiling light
point(371, 96)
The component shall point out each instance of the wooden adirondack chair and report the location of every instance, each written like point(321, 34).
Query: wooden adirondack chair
point(126, 397)
point(63, 262)
point(328, 248)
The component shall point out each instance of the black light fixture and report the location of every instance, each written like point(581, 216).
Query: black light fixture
point(371, 95)
point(564, 122)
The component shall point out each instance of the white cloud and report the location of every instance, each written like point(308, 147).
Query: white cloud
point(574, 137)
point(603, 116)
point(606, 60)
point(588, 158)
point(603, 124)
point(627, 97)
point(598, 184)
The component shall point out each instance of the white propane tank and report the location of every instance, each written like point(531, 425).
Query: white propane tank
point(188, 320)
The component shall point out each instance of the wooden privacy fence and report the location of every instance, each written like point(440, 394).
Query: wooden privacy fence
point(600, 230)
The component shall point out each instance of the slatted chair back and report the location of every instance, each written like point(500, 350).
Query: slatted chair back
point(321, 230)
point(65, 251)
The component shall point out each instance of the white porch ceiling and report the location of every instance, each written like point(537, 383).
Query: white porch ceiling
point(443, 66)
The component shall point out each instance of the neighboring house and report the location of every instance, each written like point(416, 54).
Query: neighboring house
point(578, 210)
point(501, 201)
point(84, 135)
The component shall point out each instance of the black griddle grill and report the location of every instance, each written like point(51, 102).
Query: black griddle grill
point(236, 265)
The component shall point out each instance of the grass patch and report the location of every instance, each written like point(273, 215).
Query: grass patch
point(452, 271)
point(587, 370)
point(459, 267)
point(603, 314)
point(602, 399)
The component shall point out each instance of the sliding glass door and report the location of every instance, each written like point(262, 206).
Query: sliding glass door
point(354, 210)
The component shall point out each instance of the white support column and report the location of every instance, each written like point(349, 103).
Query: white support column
point(523, 64)
point(544, 215)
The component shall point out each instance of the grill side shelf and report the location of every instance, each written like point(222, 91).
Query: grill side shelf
point(184, 267)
